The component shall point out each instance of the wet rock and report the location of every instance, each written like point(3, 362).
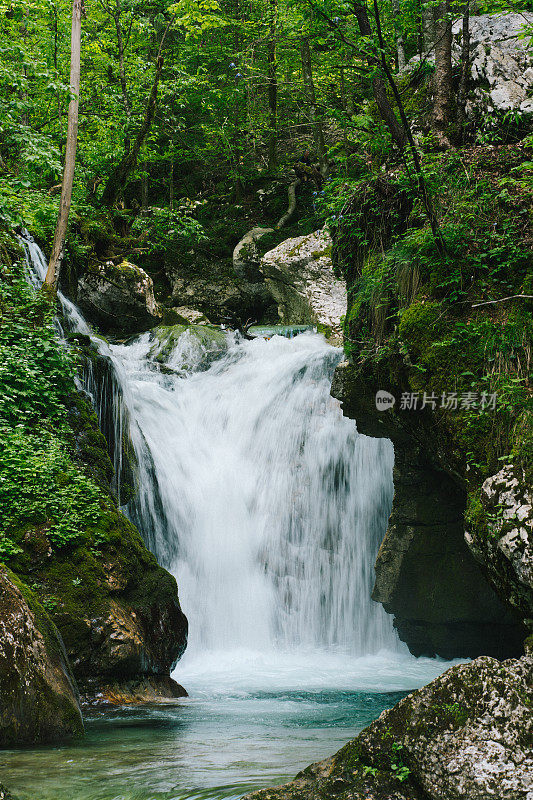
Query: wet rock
point(118, 297)
point(501, 63)
point(467, 735)
point(426, 575)
point(218, 293)
point(185, 348)
point(38, 694)
point(299, 272)
point(504, 544)
point(152, 689)
point(182, 315)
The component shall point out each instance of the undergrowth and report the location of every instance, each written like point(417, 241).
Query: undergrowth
point(41, 482)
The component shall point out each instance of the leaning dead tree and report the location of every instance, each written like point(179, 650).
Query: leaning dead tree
point(54, 266)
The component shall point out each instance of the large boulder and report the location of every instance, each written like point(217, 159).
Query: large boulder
point(299, 273)
point(38, 695)
point(467, 735)
point(501, 63)
point(502, 541)
point(118, 297)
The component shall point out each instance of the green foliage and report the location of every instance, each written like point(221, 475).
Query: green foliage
point(398, 766)
point(36, 373)
point(163, 229)
point(41, 485)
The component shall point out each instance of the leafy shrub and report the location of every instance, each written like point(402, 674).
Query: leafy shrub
point(41, 483)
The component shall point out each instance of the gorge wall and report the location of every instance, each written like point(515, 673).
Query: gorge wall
point(425, 573)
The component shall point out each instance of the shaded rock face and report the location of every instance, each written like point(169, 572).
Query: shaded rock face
point(299, 273)
point(219, 293)
point(118, 297)
point(465, 736)
point(501, 63)
point(38, 695)
point(246, 255)
point(426, 575)
point(504, 546)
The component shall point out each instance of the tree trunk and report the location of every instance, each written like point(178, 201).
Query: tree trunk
point(424, 194)
point(272, 86)
point(400, 49)
point(465, 69)
point(385, 109)
point(428, 27)
point(118, 178)
point(316, 124)
point(54, 266)
point(442, 81)
point(345, 110)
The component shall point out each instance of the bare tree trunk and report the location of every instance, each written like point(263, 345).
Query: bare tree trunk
point(428, 27)
point(122, 73)
point(318, 131)
point(123, 170)
point(171, 183)
point(442, 81)
point(54, 266)
point(465, 69)
point(291, 192)
point(378, 84)
point(272, 85)
point(400, 49)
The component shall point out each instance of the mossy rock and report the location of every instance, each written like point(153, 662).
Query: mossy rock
point(38, 695)
point(211, 341)
point(475, 715)
point(117, 610)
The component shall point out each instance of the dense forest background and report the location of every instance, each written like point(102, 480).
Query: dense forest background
point(189, 109)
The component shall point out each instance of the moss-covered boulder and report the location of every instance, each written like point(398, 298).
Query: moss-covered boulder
point(449, 338)
point(118, 297)
point(188, 347)
point(467, 735)
point(117, 610)
point(38, 695)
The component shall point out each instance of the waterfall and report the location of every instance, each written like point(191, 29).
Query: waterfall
point(268, 507)
point(253, 489)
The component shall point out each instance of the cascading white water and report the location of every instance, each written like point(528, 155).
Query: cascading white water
point(269, 505)
point(253, 489)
